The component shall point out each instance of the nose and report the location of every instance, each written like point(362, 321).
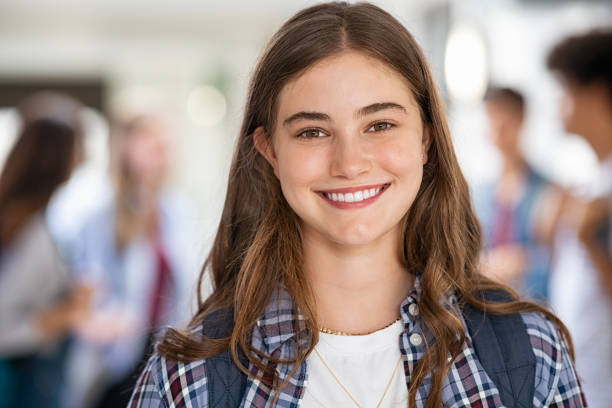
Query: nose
point(350, 157)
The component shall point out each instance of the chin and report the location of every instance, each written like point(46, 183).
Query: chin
point(356, 236)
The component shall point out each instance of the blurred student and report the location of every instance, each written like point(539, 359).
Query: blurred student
point(39, 303)
point(581, 283)
point(508, 208)
point(138, 250)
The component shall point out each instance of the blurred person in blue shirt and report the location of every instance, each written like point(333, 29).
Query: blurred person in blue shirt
point(581, 281)
point(138, 250)
point(509, 208)
point(40, 303)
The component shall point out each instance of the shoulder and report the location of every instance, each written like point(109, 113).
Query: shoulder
point(556, 382)
point(35, 234)
point(96, 229)
point(33, 251)
point(177, 206)
point(101, 216)
point(168, 383)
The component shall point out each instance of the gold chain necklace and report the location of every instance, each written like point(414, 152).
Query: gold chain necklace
point(348, 393)
point(341, 333)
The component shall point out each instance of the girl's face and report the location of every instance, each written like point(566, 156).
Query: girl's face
point(145, 150)
point(348, 148)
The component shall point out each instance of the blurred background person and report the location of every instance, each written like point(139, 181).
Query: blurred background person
point(40, 304)
point(581, 285)
point(509, 207)
point(137, 250)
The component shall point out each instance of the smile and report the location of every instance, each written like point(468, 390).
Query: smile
point(355, 196)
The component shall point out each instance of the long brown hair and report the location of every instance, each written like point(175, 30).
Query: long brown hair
point(258, 243)
point(47, 148)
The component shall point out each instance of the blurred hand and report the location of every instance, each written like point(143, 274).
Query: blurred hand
point(63, 317)
point(79, 305)
point(105, 326)
point(548, 211)
point(505, 263)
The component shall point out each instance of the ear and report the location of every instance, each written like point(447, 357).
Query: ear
point(425, 142)
point(265, 148)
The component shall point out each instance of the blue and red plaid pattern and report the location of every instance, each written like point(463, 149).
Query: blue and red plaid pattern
point(171, 384)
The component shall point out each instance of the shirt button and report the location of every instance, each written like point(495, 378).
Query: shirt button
point(413, 309)
point(416, 339)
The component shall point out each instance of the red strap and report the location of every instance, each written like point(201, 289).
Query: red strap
point(162, 280)
point(502, 229)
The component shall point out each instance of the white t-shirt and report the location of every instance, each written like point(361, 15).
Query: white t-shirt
point(363, 364)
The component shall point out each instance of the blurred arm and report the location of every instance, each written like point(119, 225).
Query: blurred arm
point(596, 218)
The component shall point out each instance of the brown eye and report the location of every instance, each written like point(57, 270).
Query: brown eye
point(311, 134)
point(380, 126)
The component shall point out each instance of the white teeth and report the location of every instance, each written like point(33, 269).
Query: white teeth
point(355, 196)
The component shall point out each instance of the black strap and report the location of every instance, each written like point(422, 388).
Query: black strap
point(226, 383)
point(503, 348)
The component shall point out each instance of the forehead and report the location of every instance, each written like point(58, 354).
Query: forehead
point(343, 82)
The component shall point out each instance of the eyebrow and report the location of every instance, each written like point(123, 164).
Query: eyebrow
point(366, 110)
point(377, 107)
point(306, 116)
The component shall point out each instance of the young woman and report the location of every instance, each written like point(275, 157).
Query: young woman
point(347, 252)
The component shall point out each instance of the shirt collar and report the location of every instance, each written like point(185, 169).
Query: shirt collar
point(279, 320)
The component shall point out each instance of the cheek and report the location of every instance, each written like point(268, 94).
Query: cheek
point(298, 169)
point(403, 159)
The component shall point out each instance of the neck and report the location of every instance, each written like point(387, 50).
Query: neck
point(599, 136)
point(357, 289)
point(513, 165)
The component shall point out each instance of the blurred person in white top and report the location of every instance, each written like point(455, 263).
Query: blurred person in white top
point(581, 284)
point(138, 250)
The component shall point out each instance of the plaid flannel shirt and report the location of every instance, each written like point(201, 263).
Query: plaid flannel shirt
point(172, 384)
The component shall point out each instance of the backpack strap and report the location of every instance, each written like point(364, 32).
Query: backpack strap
point(504, 349)
point(226, 383)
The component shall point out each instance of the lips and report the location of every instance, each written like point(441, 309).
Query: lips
point(354, 197)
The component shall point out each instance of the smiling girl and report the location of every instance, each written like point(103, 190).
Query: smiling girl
point(345, 264)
